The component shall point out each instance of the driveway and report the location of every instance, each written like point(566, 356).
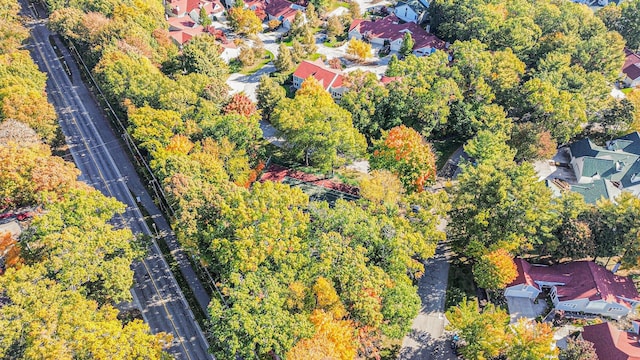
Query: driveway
point(427, 339)
point(248, 83)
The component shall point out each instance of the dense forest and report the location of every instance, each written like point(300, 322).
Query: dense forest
point(70, 265)
point(300, 277)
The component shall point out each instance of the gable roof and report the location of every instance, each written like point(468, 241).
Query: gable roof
point(631, 66)
point(611, 343)
point(417, 5)
point(328, 78)
point(279, 9)
point(390, 28)
point(581, 279)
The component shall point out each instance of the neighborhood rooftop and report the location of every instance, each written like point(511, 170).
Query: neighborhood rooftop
point(631, 67)
point(612, 343)
point(578, 280)
point(391, 28)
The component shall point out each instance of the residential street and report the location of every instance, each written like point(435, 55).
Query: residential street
point(99, 155)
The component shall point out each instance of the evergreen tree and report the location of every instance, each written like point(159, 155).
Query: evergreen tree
point(283, 61)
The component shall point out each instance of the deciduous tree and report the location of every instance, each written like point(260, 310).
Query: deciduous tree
point(404, 152)
point(359, 49)
point(269, 94)
point(407, 45)
point(495, 270)
point(244, 21)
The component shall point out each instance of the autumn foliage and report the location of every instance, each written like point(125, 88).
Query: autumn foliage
point(240, 104)
point(404, 152)
point(495, 270)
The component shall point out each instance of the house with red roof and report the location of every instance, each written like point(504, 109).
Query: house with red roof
point(575, 286)
point(391, 29)
point(330, 79)
point(281, 10)
point(191, 8)
point(611, 343)
point(631, 69)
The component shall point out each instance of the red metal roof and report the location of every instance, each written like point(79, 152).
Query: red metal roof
point(581, 279)
point(392, 29)
point(326, 76)
point(631, 66)
point(611, 343)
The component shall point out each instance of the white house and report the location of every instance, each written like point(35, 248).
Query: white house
point(392, 30)
point(575, 286)
point(330, 79)
point(412, 10)
point(631, 69)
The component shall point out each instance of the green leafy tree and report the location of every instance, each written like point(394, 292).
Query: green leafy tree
point(317, 129)
point(366, 99)
point(484, 333)
point(498, 204)
point(269, 94)
point(630, 23)
point(407, 45)
point(335, 29)
point(202, 55)
point(205, 21)
point(531, 340)
point(284, 61)
point(44, 319)
point(75, 241)
point(298, 53)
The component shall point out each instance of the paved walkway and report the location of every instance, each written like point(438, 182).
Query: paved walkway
point(427, 339)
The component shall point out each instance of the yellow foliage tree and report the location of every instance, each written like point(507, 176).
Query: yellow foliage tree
point(359, 49)
point(382, 187)
point(327, 298)
point(333, 339)
point(180, 144)
point(495, 270)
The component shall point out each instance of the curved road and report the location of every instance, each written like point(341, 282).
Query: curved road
point(163, 305)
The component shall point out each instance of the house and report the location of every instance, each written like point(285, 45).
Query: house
point(574, 286)
point(281, 10)
point(412, 10)
point(181, 30)
point(604, 172)
point(611, 343)
point(631, 69)
point(390, 29)
point(191, 8)
point(330, 79)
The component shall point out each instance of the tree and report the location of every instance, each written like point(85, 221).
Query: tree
point(630, 23)
point(610, 16)
point(615, 228)
point(407, 45)
point(43, 319)
point(531, 340)
point(404, 152)
point(298, 53)
point(274, 24)
point(240, 104)
point(244, 21)
point(247, 56)
point(495, 270)
point(359, 49)
point(75, 242)
point(333, 339)
point(335, 28)
point(366, 99)
point(269, 94)
point(317, 129)
point(382, 187)
point(203, 18)
point(499, 204)
point(578, 349)
point(312, 15)
point(284, 61)
point(483, 333)
point(532, 144)
point(202, 55)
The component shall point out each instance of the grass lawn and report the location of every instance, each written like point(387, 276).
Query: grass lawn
point(460, 283)
point(334, 4)
point(626, 91)
point(443, 150)
point(250, 70)
point(316, 56)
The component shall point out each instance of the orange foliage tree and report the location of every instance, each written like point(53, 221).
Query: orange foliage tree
point(240, 104)
point(404, 152)
point(495, 270)
point(333, 339)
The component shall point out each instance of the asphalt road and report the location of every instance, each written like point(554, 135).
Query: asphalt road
point(100, 157)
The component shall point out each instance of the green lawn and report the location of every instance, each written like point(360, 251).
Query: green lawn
point(626, 91)
point(251, 70)
point(315, 56)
